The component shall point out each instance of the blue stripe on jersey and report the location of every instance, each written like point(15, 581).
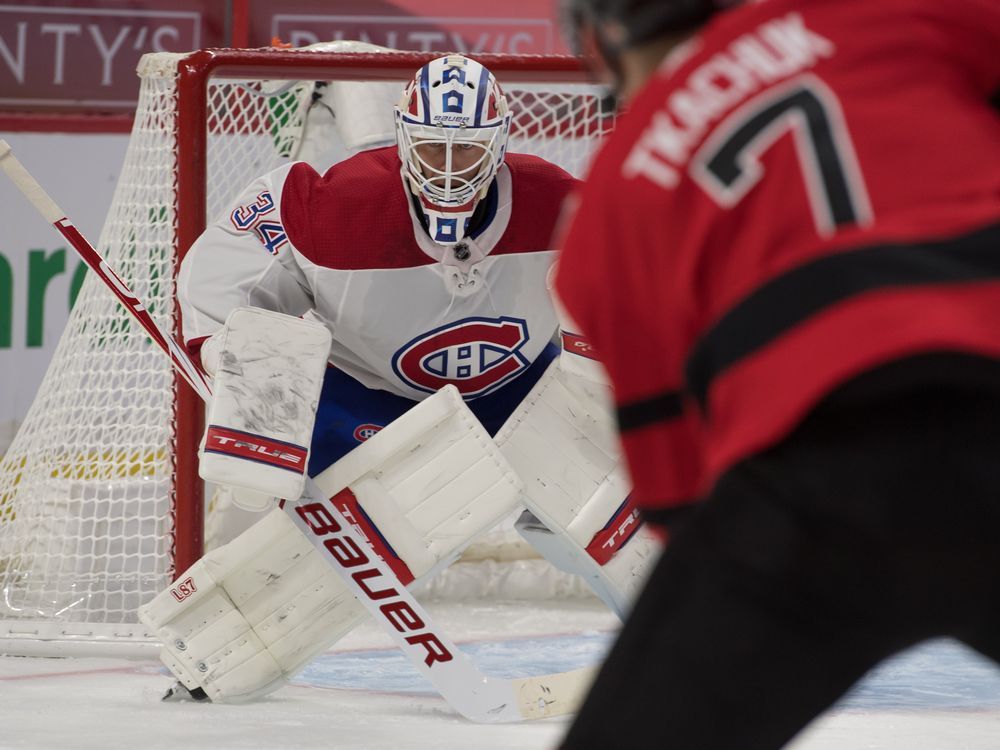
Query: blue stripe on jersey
point(484, 79)
point(425, 75)
point(345, 404)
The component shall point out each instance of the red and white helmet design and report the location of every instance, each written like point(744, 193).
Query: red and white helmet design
point(453, 103)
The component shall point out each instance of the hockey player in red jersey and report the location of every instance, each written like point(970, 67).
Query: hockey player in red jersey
point(788, 258)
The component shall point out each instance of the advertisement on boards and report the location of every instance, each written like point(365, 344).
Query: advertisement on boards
point(81, 56)
point(515, 27)
point(40, 274)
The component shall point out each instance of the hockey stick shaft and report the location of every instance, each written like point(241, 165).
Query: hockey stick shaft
point(55, 215)
point(473, 694)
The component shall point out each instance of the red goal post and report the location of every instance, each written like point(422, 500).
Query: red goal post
point(100, 500)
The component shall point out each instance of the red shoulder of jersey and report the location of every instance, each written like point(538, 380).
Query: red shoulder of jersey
point(354, 216)
point(357, 216)
point(538, 189)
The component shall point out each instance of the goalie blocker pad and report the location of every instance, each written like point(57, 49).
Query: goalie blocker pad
point(252, 613)
point(562, 442)
point(265, 392)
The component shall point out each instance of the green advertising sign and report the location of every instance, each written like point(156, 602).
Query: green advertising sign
point(30, 291)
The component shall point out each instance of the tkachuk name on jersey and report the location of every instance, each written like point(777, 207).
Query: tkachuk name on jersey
point(773, 51)
point(476, 355)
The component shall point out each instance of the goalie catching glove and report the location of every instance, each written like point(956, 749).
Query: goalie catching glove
point(251, 614)
point(268, 371)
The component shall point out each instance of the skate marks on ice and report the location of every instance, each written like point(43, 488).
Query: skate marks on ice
point(387, 671)
point(938, 675)
point(939, 695)
point(365, 696)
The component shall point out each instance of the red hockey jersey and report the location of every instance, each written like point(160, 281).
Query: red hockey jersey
point(805, 190)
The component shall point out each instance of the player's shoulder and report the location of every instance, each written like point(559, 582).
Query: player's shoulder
point(538, 184)
point(538, 192)
point(345, 188)
point(378, 163)
point(352, 176)
point(353, 216)
point(533, 169)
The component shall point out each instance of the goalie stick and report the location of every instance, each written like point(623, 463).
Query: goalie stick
point(476, 696)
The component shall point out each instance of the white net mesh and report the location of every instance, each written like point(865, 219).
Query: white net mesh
point(87, 488)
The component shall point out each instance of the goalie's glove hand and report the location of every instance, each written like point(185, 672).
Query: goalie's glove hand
point(180, 694)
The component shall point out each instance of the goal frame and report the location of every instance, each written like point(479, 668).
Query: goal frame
point(191, 179)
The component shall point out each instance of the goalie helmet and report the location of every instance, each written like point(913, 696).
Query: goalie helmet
point(452, 125)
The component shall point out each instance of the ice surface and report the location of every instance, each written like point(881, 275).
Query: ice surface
point(364, 696)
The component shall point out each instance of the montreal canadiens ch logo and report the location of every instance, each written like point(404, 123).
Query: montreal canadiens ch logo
point(476, 355)
point(364, 431)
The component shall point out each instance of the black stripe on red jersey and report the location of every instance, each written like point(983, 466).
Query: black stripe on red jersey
point(670, 516)
point(782, 303)
point(649, 411)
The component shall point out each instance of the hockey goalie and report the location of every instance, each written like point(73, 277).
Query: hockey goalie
point(387, 329)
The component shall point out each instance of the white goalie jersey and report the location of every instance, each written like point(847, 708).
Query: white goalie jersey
point(407, 315)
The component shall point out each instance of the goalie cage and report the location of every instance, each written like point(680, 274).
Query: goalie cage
point(100, 500)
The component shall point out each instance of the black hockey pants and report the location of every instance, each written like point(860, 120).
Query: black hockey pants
point(874, 526)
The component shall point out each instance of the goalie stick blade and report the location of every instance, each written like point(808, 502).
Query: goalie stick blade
point(180, 694)
point(553, 694)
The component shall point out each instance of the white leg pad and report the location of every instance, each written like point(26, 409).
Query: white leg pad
point(253, 612)
point(439, 479)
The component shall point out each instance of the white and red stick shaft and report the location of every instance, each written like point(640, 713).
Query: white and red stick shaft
point(473, 694)
point(55, 215)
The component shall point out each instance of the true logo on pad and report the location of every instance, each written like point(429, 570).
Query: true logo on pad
point(252, 447)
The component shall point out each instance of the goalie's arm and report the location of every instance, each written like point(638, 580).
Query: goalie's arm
point(245, 258)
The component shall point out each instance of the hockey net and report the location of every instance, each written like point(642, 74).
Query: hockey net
point(100, 503)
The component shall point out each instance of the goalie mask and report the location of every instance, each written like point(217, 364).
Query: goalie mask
point(452, 125)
